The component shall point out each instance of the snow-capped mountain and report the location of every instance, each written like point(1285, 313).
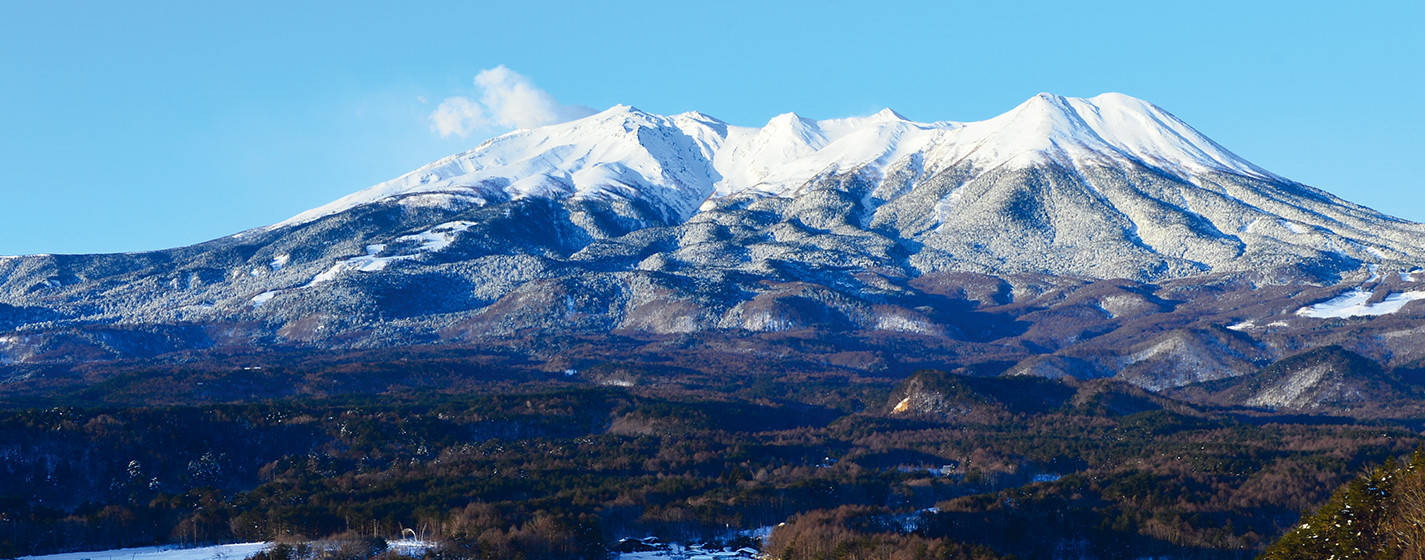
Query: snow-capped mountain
point(1078, 237)
point(1105, 187)
point(692, 160)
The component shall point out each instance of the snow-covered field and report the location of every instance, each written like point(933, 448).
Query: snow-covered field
point(414, 548)
point(221, 552)
point(1354, 304)
point(241, 551)
point(690, 553)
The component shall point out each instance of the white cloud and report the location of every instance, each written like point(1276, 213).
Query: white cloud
point(457, 116)
point(513, 100)
point(507, 99)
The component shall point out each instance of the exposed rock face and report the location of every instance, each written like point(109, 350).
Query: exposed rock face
point(1078, 237)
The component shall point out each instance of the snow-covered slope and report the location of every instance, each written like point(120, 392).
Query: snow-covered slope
point(218, 552)
point(626, 221)
point(678, 162)
point(1105, 187)
point(621, 152)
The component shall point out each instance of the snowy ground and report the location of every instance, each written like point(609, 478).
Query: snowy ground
point(407, 547)
point(414, 548)
point(690, 553)
point(220, 552)
point(1354, 304)
point(654, 549)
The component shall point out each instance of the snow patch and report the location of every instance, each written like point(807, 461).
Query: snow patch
point(651, 548)
point(279, 261)
point(415, 548)
point(900, 323)
point(432, 240)
point(443, 201)
point(439, 237)
point(329, 275)
point(1293, 226)
point(1244, 325)
point(220, 552)
point(1354, 304)
point(263, 297)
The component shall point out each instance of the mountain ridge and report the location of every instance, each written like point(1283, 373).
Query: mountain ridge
point(780, 156)
point(1056, 240)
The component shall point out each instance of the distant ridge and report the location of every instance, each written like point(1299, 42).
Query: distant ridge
point(627, 152)
point(1065, 238)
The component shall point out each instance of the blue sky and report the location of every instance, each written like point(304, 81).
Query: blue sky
point(144, 125)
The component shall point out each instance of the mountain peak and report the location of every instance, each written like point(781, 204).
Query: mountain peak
point(889, 114)
point(700, 116)
point(791, 119)
point(1105, 128)
point(795, 129)
point(621, 109)
point(682, 160)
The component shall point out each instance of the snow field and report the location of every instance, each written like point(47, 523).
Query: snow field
point(1354, 304)
point(685, 161)
point(220, 552)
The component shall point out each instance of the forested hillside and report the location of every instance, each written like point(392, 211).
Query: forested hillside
point(1378, 515)
point(571, 464)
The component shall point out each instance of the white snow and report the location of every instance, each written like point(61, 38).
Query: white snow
point(263, 297)
point(1244, 325)
point(900, 323)
point(685, 161)
point(1293, 226)
point(414, 548)
point(220, 552)
point(1354, 304)
point(433, 240)
point(408, 547)
point(1290, 390)
point(329, 275)
point(439, 237)
point(676, 551)
point(368, 263)
point(279, 261)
